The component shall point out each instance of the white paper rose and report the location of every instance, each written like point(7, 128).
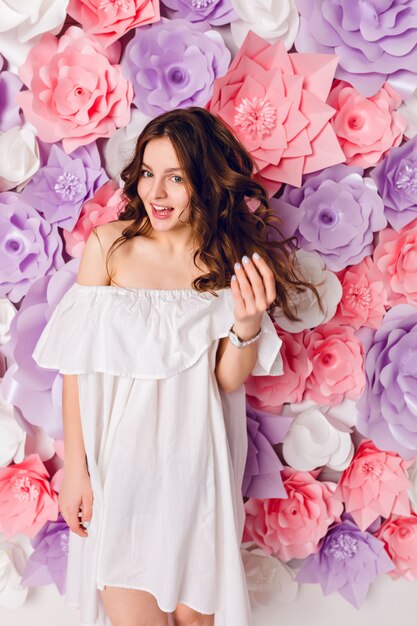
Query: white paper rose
point(313, 441)
point(7, 313)
point(119, 149)
point(409, 110)
point(19, 157)
point(269, 20)
point(14, 554)
point(268, 579)
point(23, 22)
point(12, 436)
point(312, 268)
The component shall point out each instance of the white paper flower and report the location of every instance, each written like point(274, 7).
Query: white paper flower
point(270, 20)
point(313, 269)
point(19, 157)
point(268, 579)
point(409, 110)
point(120, 148)
point(7, 313)
point(313, 441)
point(23, 22)
point(14, 554)
point(12, 436)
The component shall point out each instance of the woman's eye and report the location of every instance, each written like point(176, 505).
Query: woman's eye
point(178, 177)
point(144, 172)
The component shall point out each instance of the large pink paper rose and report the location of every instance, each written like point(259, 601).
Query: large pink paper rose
point(276, 104)
point(105, 206)
point(292, 527)
point(27, 499)
point(399, 535)
point(364, 296)
point(108, 20)
point(396, 257)
point(366, 127)
point(268, 393)
point(75, 91)
point(374, 484)
point(336, 357)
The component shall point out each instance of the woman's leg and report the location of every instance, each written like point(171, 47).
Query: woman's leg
point(132, 607)
point(185, 616)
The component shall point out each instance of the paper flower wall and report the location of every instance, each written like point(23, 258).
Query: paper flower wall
point(331, 124)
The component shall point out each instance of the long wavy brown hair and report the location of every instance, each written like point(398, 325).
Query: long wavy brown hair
point(219, 175)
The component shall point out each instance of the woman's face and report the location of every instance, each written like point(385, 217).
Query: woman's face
point(161, 186)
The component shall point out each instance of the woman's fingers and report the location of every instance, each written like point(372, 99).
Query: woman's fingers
point(256, 282)
point(267, 276)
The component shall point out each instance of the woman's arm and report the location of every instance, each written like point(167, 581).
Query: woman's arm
point(233, 365)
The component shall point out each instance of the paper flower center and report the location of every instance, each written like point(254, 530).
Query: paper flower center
point(68, 185)
point(404, 532)
point(343, 547)
point(372, 468)
point(406, 179)
point(114, 5)
point(256, 116)
point(201, 4)
point(359, 297)
point(178, 76)
point(328, 218)
point(24, 490)
point(327, 359)
point(355, 121)
point(13, 245)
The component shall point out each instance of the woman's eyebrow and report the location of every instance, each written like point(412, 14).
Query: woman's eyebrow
point(170, 169)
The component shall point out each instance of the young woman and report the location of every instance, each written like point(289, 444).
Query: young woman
point(167, 318)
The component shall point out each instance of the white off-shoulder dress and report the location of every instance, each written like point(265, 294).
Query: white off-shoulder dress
point(165, 446)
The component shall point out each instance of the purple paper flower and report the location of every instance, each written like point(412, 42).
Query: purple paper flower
point(387, 409)
point(215, 12)
point(48, 562)
point(348, 561)
point(31, 246)
point(396, 179)
point(173, 64)
point(36, 392)
point(341, 212)
point(374, 40)
point(10, 85)
point(60, 188)
point(262, 473)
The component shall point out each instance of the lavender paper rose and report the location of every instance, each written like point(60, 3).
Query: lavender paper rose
point(387, 409)
point(215, 12)
point(396, 180)
point(341, 210)
point(375, 40)
point(173, 64)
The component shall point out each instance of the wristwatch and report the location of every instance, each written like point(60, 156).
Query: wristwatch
point(241, 343)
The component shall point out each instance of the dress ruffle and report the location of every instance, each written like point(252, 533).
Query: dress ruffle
point(142, 333)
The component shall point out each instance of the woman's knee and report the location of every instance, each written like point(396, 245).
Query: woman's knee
point(132, 607)
point(186, 616)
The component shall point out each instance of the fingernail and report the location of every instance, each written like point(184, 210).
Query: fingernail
point(234, 277)
point(256, 256)
point(245, 259)
point(238, 266)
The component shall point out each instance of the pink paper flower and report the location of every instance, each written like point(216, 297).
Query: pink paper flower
point(75, 92)
point(292, 527)
point(108, 20)
point(396, 257)
point(268, 393)
point(374, 484)
point(336, 357)
point(275, 102)
point(400, 537)
point(104, 206)
point(27, 500)
point(366, 127)
point(364, 296)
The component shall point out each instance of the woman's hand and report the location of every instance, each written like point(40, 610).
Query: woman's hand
point(253, 292)
point(76, 496)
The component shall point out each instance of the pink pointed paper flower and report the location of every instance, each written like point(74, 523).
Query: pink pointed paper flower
point(75, 91)
point(399, 535)
point(364, 296)
point(336, 357)
point(268, 393)
point(396, 257)
point(108, 20)
point(275, 103)
point(293, 527)
point(26, 498)
point(366, 127)
point(105, 206)
point(374, 484)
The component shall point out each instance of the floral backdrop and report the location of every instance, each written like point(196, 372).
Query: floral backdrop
point(323, 95)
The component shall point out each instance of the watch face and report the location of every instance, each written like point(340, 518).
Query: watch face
point(235, 341)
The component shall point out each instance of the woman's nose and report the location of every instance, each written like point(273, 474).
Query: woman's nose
point(158, 189)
